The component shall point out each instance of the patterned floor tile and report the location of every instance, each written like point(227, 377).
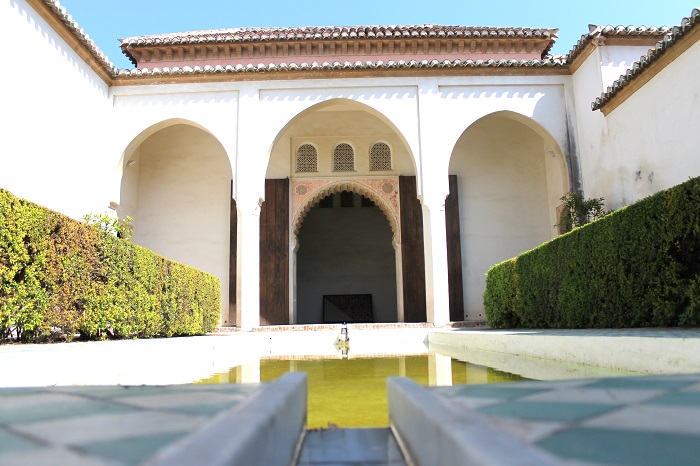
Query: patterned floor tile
point(13, 443)
point(47, 407)
point(684, 398)
point(174, 400)
point(652, 418)
point(594, 395)
point(130, 450)
point(109, 427)
point(494, 391)
point(622, 447)
point(642, 383)
point(530, 410)
point(51, 457)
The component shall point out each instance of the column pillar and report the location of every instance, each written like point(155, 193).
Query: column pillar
point(437, 290)
point(248, 266)
point(436, 148)
point(399, 282)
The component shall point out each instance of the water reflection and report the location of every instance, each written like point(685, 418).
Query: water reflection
point(352, 392)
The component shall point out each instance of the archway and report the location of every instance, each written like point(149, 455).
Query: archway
point(176, 187)
point(510, 175)
point(338, 145)
point(346, 262)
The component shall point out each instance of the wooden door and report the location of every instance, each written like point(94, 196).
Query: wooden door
point(412, 251)
point(454, 253)
point(232, 271)
point(274, 254)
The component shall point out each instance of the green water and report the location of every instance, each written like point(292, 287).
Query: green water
point(352, 392)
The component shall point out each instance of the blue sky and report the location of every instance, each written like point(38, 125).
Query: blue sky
point(108, 20)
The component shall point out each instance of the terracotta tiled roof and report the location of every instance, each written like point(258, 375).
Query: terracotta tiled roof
point(325, 66)
point(335, 32)
point(141, 50)
point(60, 12)
point(654, 54)
point(596, 32)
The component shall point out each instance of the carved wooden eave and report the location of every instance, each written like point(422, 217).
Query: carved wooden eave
point(200, 48)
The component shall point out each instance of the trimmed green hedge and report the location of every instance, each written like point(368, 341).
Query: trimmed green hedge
point(60, 278)
point(637, 267)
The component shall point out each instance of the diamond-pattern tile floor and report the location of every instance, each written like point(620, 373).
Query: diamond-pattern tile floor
point(115, 425)
point(648, 420)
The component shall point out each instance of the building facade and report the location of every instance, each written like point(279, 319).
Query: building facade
point(345, 173)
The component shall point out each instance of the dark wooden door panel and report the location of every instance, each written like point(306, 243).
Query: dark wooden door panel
point(274, 254)
point(454, 252)
point(232, 272)
point(412, 251)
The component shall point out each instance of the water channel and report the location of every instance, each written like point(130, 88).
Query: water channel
point(352, 392)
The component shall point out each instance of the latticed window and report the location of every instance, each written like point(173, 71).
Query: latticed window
point(343, 158)
point(307, 158)
point(380, 157)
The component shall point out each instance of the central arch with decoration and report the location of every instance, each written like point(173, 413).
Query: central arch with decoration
point(344, 150)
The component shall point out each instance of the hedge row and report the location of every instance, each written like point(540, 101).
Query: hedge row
point(637, 267)
point(61, 279)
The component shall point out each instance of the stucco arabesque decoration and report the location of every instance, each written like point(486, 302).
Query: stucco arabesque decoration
point(384, 192)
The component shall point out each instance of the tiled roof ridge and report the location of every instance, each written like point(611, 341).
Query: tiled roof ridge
point(638, 67)
point(339, 66)
point(609, 30)
point(262, 34)
point(60, 12)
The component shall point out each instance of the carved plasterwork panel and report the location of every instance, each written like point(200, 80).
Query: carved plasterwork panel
point(383, 191)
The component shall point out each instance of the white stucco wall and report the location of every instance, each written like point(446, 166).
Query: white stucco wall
point(68, 137)
point(326, 127)
point(615, 60)
point(504, 204)
point(182, 205)
point(644, 145)
point(587, 84)
point(652, 136)
point(57, 112)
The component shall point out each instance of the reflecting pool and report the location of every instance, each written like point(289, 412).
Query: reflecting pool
point(352, 392)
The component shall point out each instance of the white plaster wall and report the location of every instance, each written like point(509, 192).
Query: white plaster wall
point(615, 60)
point(56, 112)
point(183, 204)
point(651, 141)
point(345, 250)
point(453, 106)
point(643, 145)
point(329, 126)
point(143, 110)
point(587, 84)
point(503, 200)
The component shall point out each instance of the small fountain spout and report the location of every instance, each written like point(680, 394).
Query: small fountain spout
point(344, 338)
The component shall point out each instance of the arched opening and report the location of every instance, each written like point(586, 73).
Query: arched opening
point(510, 175)
point(323, 151)
point(346, 263)
point(176, 187)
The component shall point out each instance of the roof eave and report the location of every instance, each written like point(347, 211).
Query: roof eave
point(68, 29)
point(674, 44)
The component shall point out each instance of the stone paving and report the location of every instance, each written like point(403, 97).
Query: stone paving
point(649, 420)
point(338, 447)
point(622, 421)
point(107, 425)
